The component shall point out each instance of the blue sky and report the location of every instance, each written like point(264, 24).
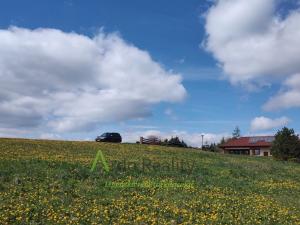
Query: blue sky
point(174, 34)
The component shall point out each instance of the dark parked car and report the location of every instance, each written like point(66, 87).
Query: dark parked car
point(109, 137)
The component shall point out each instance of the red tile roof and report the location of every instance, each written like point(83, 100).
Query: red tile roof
point(257, 141)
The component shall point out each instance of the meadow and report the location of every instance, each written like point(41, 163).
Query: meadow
point(50, 182)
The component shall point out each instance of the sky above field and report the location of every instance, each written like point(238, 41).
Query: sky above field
point(74, 69)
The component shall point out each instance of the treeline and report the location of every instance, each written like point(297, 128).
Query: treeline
point(174, 142)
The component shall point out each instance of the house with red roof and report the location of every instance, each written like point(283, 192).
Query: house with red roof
point(256, 146)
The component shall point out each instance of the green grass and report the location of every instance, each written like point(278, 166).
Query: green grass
point(49, 182)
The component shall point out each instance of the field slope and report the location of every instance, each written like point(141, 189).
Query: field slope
point(50, 182)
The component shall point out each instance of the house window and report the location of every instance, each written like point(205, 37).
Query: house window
point(256, 152)
point(239, 152)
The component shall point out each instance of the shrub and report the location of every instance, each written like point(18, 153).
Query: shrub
point(211, 148)
point(174, 142)
point(286, 145)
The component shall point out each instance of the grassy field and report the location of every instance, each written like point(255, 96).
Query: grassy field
point(50, 182)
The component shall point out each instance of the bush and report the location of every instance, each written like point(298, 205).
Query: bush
point(286, 145)
point(174, 142)
point(210, 148)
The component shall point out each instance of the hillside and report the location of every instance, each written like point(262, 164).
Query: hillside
point(50, 182)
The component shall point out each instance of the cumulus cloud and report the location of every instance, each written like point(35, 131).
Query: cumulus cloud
point(256, 45)
point(192, 139)
point(288, 97)
point(264, 123)
point(252, 42)
point(71, 82)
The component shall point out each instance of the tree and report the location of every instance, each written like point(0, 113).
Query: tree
point(286, 145)
point(236, 132)
point(223, 141)
point(175, 142)
point(165, 142)
point(211, 148)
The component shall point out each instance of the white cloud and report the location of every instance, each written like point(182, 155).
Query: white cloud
point(192, 139)
point(252, 42)
point(70, 82)
point(13, 133)
point(287, 98)
point(264, 123)
point(50, 136)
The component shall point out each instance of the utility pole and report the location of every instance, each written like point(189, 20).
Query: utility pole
point(202, 135)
